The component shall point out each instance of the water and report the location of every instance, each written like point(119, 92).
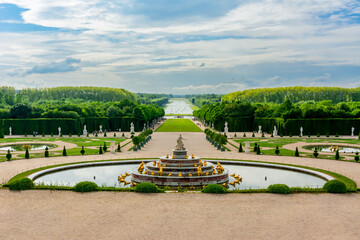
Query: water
point(178, 107)
point(253, 177)
point(18, 147)
point(343, 149)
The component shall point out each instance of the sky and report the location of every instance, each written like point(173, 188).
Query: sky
point(180, 46)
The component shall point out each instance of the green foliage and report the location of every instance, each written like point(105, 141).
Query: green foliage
point(86, 186)
point(214, 188)
point(277, 151)
point(218, 138)
point(118, 148)
point(8, 155)
point(297, 152)
point(253, 135)
point(64, 152)
point(46, 152)
point(279, 188)
point(27, 154)
point(136, 140)
point(335, 186)
point(82, 151)
point(258, 150)
point(100, 150)
point(147, 187)
point(315, 153)
point(337, 155)
point(244, 135)
point(105, 147)
point(240, 148)
point(255, 147)
point(105, 135)
point(356, 158)
point(21, 184)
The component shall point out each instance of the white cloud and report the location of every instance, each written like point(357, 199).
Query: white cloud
point(218, 88)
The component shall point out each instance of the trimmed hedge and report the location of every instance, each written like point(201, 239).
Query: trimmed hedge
point(21, 184)
point(214, 188)
point(147, 187)
point(279, 188)
point(335, 186)
point(86, 186)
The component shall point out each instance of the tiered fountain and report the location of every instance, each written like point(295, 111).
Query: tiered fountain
point(180, 170)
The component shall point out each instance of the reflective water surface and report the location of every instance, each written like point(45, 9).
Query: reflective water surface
point(253, 177)
point(34, 147)
point(342, 149)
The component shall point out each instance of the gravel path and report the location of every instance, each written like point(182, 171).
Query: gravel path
point(108, 215)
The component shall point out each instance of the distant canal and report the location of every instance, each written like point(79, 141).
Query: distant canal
point(178, 106)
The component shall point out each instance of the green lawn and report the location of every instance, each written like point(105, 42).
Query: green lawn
point(178, 125)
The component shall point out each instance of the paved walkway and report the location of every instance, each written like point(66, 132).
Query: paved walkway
point(102, 215)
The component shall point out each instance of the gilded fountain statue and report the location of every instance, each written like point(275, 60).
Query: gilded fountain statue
point(180, 170)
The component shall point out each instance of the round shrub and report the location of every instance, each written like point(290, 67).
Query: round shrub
point(147, 187)
point(22, 184)
point(85, 186)
point(335, 186)
point(279, 188)
point(214, 188)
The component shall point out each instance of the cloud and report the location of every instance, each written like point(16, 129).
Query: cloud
point(202, 65)
point(67, 65)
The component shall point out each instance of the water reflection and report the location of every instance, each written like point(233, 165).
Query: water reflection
point(253, 177)
point(178, 107)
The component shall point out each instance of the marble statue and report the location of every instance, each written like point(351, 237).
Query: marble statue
point(180, 144)
point(10, 131)
point(275, 131)
point(85, 131)
point(226, 129)
point(352, 131)
point(100, 131)
point(59, 131)
point(132, 128)
point(301, 131)
point(260, 131)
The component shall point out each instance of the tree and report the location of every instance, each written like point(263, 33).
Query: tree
point(316, 154)
point(139, 114)
point(297, 152)
point(46, 152)
point(8, 155)
point(277, 151)
point(240, 148)
point(337, 155)
point(27, 155)
point(356, 157)
point(20, 110)
point(105, 147)
point(113, 111)
point(82, 151)
point(119, 147)
point(258, 150)
point(64, 152)
point(136, 140)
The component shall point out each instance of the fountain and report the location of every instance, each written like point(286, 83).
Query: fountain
point(180, 170)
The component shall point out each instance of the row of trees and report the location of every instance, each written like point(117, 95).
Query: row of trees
point(286, 110)
point(202, 99)
point(295, 94)
point(10, 96)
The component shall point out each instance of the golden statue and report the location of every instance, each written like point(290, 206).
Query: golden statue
point(214, 173)
point(192, 188)
point(134, 184)
point(161, 170)
point(170, 174)
point(205, 163)
point(123, 176)
point(141, 168)
point(203, 186)
point(152, 173)
point(232, 183)
point(173, 157)
point(192, 156)
point(237, 180)
point(207, 173)
point(236, 176)
point(126, 183)
point(199, 171)
point(190, 175)
point(195, 165)
point(127, 174)
point(164, 164)
point(224, 184)
point(167, 155)
point(145, 172)
point(180, 175)
point(232, 175)
point(180, 165)
point(186, 157)
point(154, 163)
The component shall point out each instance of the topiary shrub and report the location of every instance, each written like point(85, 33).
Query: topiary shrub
point(147, 187)
point(262, 135)
point(105, 147)
point(244, 135)
point(240, 148)
point(336, 135)
point(114, 134)
point(64, 152)
point(279, 188)
point(253, 135)
point(335, 186)
point(46, 152)
point(100, 150)
point(105, 135)
point(315, 153)
point(27, 154)
point(277, 151)
point(214, 188)
point(118, 148)
point(356, 157)
point(258, 150)
point(297, 152)
point(86, 186)
point(337, 155)
point(255, 147)
point(8, 155)
point(21, 184)
point(318, 135)
point(82, 151)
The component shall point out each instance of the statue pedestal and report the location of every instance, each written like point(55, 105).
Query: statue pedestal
point(179, 153)
point(85, 132)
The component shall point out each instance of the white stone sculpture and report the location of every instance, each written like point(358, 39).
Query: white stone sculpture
point(10, 131)
point(226, 129)
point(275, 131)
point(100, 131)
point(352, 131)
point(85, 131)
point(132, 128)
point(260, 131)
point(301, 131)
point(59, 131)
